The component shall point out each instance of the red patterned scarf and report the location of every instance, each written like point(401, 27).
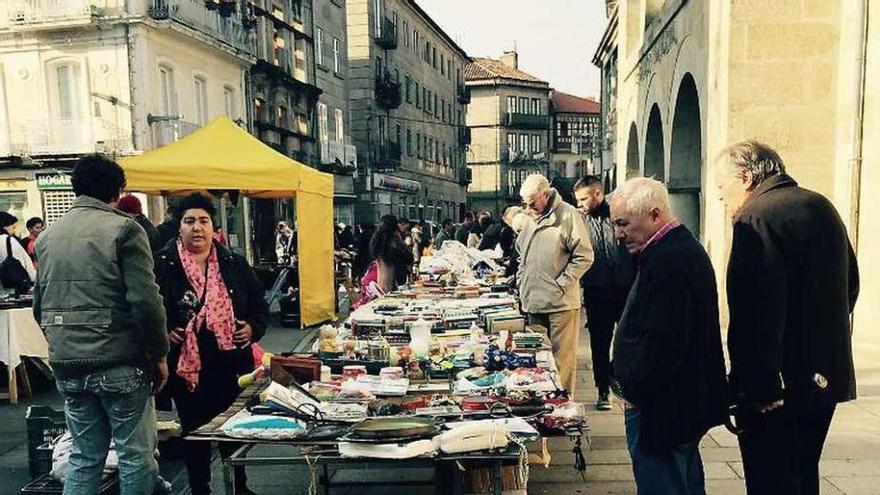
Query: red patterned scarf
point(216, 313)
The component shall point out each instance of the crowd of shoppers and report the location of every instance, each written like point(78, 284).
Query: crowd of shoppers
point(119, 325)
point(650, 288)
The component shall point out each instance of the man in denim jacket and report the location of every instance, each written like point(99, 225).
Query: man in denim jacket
point(97, 300)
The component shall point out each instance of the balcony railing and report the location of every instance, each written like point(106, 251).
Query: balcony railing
point(518, 158)
point(34, 12)
point(302, 18)
point(387, 37)
point(168, 132)
point(195, 15)
point(66, 136)
point(526, 121)
point(388, 94)
point(464, 95)
point(387, 156)
point(338, 157)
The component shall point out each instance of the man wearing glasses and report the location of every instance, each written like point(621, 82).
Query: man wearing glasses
point(555, 252)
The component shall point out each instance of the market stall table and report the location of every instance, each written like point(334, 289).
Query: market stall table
point(444, 374)
point(328, 458)
point(20, 335)
point(325, 455)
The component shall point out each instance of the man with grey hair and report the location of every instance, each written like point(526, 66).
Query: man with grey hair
point(554, 252)
point(667, 357)
point(792, 283)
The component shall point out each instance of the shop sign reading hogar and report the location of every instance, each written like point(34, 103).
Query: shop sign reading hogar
point(56, 181)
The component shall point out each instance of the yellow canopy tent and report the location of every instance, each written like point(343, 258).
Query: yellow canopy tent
point(221, 155)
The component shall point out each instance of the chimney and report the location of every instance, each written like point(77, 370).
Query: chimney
point(510, 59)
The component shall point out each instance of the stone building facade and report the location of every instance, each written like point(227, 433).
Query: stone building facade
point(509, 122)
point(574, 136)
point(111, 76)
point(337, 153)
point(408, 106)
point(688, 78)
point(283, 88)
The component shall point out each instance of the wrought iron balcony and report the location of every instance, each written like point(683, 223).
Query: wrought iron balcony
point(387, 37)
point(517, 158)
point(44, 13)
point(526, 121)
point(387, 156)
point(388, 94)
point(225, 7)
point(169, 131)
point(338, 158)
point(464, 95)
point(227, 29)
point(51, 137)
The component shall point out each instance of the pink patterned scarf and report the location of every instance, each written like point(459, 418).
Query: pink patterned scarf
point(216, 311)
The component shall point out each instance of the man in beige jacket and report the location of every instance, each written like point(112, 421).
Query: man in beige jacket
point(555, 252)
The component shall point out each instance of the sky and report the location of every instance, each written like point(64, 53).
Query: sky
point(555, 39)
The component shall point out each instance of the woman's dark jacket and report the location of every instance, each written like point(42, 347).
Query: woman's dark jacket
point(244, 288)
point(217, 386)
point(668, 359)
point(792, 282)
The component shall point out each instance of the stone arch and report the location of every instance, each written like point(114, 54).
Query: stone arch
point(654, 156)
point(633, 164)
point(686, 157)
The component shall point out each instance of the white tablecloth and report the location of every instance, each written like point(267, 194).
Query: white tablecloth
point(21, 336)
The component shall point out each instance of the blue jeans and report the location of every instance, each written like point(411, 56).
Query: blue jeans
point(115, 403)
point(678, 472)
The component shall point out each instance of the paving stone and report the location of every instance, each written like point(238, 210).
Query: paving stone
point(726, 487)
point(719, 471)
point(604, 488)
point(607, 443)
point(723, 437)
point(566, 474)
point(724, 454)
point(834, 468)
point(855, 485)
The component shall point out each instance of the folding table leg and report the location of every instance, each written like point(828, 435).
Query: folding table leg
point(13, 386)
point(229, 478)
point(25, 381)
point(496, 478)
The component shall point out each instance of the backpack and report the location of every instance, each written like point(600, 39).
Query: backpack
point(12, 273)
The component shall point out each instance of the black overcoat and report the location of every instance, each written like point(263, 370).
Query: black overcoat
point(668, 358)
point(792, 282)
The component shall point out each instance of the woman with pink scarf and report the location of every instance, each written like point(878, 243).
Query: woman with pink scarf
point(216, 312)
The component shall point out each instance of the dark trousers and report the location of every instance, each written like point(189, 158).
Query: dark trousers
point(678, 471)
point(198, 465)
point(216, 391)
point(781, 449)
point(603, 312)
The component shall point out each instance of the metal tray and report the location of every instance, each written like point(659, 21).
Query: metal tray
point(393, 429)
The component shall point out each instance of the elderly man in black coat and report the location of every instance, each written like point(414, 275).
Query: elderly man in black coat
point(668, 361)
point(792, 282)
